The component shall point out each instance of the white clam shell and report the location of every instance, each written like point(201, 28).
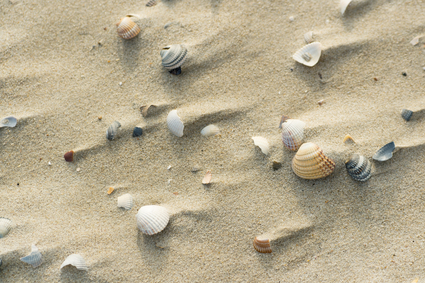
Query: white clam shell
point(210, 130)
point(125, 201)
point(293, 133)
point(34, 258)
point(5, 226)
point(173, 56)
point(309, 55)
point(152, 219)
point(9, 121)
point(75, 260)
point(262, 143)
point(343, 4)
point(175, 125)
point(308, 37)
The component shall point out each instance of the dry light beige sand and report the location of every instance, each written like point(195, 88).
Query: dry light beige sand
point(61, 65)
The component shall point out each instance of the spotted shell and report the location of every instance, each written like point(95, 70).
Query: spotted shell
point(309, 55)
point(75, 260)
point(262, 246)
point(173, 56)
point(385, 152)
point(406, 114)
point(127, 29)
point(175, 125)
point(34, 258)
point(311, 163)
point(8, 122)
point(5, 226)
point(210, 130)
point(359, 167)
point(152, 219)
point(343, 4)
point(262, 143)
point(293, 133)
point(125, 201)
point(112, 131)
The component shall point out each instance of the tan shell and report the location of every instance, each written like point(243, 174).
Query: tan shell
point(127, 29)
point(262, 246)
point(311, 163)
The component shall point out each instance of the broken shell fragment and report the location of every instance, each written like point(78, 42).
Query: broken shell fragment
point(293, 133)
point(34, 258)
point(406, 114)
point(127, 29)
point(210, 130)
point(112, 130)
point(343, 4)
point(144, 109)
point(125, 201)
point(207, 178)
point(309, 55)
point(385, 152)
point(151, 3)
point(75, 260)
point(9, 121)
point(175, 125)
point(110, 190)
point(308, 37)
point(311, 163)
point(262, 143)
point(348, 138)
point(5, 226)
point(69, 156)
point(262, 246)
point(152, 219)
point(359, 167)
point(173, 56)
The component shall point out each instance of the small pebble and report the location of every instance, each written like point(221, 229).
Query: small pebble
point(137, 132)
point(404, 74)
point(120, 83)
point(1, 262)
point(100, 117)
point(291, 18)
point(50, 164)
point(169, 167)
point(78, 169)
point(276, 165)
point(169, 181)
point(320, 102)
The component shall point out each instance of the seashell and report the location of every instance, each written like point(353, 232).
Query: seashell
point(75, 260)
point(112, 130)
point(151, 3)
point(293, 133)
point(210, 130)
point(127, 29)
point(309, 55)
point(359, 167)
point(1, 262)
point(175, 125)
point(348, 138)
point(343, 4)
point(415, 40)
point(34, 258)
point(385, 152)
point(207, 178)
point(152, 219)
point(262, 246)
point(110, 190)
point(311, 163)
point(5, 226)
point(69, 156)
point(9, 121)
point(144, 109)
point(137, 132)
point(262, 143)
point(406, 114)
point(282, 120)
point(125, 201)
point(173, 56)
point(308, 37)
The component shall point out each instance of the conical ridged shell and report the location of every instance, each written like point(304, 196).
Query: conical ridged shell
point(262, 143)
point(359, 167)
point(293, 133)
point(112, 131)
point(34, 258)
point(125, 201)
point(175, 125)
point(385, 152)
point(406, 114)
point(152, 219)
point(311, 163)
point(309, 55)
point(75, 260)
point(210, 130)
point(5, 226)
point(8, 122)
point(262, 246)
point(173, 56)
point(127, 29)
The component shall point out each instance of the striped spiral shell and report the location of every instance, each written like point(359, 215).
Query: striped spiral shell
point(311, 163)
point(359, 167)
point(127, 29)
point(293, 133)
point(173, 56)
point(152, 219)
point(262, 246)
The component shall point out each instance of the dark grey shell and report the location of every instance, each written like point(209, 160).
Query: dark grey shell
point(359, 167)
point(112, 130)
point(173, 56)
point(385, 152)
point(406, 114)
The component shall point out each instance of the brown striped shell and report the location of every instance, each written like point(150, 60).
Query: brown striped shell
point(262, 246)
point(127, 29)
point(311, 163)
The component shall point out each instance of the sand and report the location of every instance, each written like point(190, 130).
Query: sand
point(63, 66)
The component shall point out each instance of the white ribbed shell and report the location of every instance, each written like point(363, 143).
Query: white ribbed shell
point(5, 226)
point(293, 133)
point(343, 4)
point(175, 125)
point(210, 130)
point(173, 56)
point(34, 258)
point(309, 55)
point(152, 219)
point(75, 260)
point(262, 143)
point(8, 122)
point(125, 201)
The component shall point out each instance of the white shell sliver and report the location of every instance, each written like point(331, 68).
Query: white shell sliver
point(308, 37)
point(8, 122)
point(75, 260)
point(34, 258)
point(343, 4)
point(210, 130)
point(309, 55)
point(5, 226)
point(125, 201)
point(175, 125)
point(152, 219)
point(262, 143)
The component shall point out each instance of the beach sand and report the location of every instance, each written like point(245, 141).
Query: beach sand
point(62, 66)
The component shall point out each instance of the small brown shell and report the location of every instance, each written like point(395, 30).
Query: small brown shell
point(69, 156)
point(110, 190)
point(262, 246)
point(127, 29)
point(311, 163)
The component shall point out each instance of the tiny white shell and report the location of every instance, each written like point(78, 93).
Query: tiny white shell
point(152, 219)
point(210, 130)
point(308, 37)
point(343, 5)
point(5, 226)
point(125, 201)
point(175, 125)
point(9, 121)
point(309, 55)
point(34, 258)
point(262, 143)
point(75, 260)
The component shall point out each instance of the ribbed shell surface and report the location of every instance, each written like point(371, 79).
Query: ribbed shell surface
point(311, 163)
point(406, 114)
point(5, 226)
point(262, 246)
point(34, 258)
point(127, 29)
point(152, 219)
point(175, 125)
point(173, 56)
point(75, 260)
point(359, 168)
point(293, 133)
point(125, 201)
point(309, 55)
